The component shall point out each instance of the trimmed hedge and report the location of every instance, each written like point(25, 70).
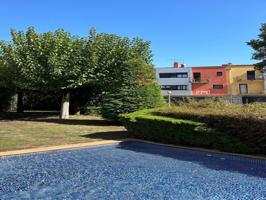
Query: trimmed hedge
point(180, 129)
point(245, 122)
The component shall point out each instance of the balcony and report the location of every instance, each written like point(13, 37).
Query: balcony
point(253, 93)
point(200, 80)
point(256, 78)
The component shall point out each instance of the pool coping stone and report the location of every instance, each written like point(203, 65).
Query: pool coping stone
point(109, 142)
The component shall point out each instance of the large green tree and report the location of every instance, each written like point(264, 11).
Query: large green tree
point(52, 61)
point(259, 46)
point(57, 61)
point(10, 79)
point(124, 74)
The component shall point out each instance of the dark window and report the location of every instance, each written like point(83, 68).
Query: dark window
point(218, 86)
point(251, 75)
point(219, 73)
point(174, 87)
point(174, 75)
point(197, 76)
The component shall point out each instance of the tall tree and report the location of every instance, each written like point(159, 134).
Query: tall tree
point(10, 73)
point(259, 46)
point(57, 61)
point(52, 61)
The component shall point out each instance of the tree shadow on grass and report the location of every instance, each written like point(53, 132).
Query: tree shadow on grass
point(111, 135)
point(52, 117)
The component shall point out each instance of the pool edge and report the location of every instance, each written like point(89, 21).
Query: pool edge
point(58, 147)
point(109, 142)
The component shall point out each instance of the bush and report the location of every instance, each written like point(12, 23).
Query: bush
point(198, 129)
point(135, 89)
point(246, 122)
point(91, 110)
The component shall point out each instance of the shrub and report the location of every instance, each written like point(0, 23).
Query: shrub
point(246, 122)
point(135, 89)
point(91, 110)
point(197, 129)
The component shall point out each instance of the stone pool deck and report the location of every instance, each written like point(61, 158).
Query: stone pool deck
point(59, 147)
point(107, 142)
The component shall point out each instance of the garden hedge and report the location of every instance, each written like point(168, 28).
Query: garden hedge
point(226, 133)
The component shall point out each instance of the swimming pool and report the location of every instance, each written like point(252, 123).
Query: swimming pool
point(132, 170)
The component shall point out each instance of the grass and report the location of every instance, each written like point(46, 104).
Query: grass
point(34, 129)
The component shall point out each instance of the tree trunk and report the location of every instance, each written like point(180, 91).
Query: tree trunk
point(64, 114)
point(20, 108)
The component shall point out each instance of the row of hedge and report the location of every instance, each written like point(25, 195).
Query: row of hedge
point(231, 133)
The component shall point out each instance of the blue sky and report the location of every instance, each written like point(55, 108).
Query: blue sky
point(196, 32)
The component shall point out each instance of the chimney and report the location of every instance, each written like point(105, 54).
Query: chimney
point(176, 65)
point(228, 64)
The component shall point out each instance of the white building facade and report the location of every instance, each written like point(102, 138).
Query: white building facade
point(175, 79)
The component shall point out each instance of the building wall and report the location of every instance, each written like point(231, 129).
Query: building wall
point(209, 78)
point(238, 75)
point(175, 81)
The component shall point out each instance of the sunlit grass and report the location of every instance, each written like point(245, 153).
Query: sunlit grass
point(33, 130)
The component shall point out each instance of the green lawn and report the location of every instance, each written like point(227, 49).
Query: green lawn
point(45, 129)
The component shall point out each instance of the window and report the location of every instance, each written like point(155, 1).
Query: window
point(167, 75)
point(174, 87)
point(182, 75)
point(197, 76)
point(174, 75)
point(218, 86)
point(219, 73)
point(251, 75)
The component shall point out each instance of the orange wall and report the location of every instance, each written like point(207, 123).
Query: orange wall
point(206, 89)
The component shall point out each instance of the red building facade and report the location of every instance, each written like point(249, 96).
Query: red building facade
point(209, 81)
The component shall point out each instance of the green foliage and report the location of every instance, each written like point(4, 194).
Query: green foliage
point(48, 61)
point(134, 89)
point(259, 46)
point(91, 110)
point(201, 126)
point(120, 68)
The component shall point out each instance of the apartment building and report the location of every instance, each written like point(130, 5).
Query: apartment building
point(175, 79)
point(245, 80)
point(203, 81)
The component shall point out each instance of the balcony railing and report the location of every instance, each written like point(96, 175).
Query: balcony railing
point(257, 78)
point(200, 80)
point(253, 92)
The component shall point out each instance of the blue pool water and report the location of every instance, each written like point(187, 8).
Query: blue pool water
point(132, 170)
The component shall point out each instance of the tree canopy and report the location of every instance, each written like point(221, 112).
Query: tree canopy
point(259, 46)
point(135, 89)
point(58, 61)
